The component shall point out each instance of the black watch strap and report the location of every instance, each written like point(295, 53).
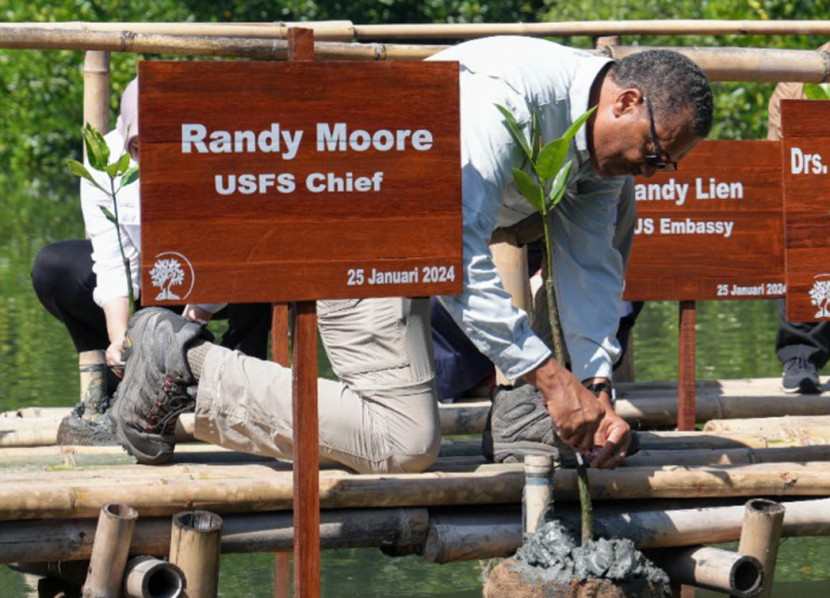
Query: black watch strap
point(599, 387)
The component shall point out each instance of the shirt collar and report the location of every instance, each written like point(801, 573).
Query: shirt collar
point(580, 92)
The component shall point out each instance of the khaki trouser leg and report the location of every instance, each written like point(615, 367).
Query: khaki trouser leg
point(382, 418)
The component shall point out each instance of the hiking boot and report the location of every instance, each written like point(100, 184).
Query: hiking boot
point(86, 424)
point(800, 376)
point(519, 424)
point(158, 385)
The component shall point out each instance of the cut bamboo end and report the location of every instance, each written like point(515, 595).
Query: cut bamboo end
point(149, 577)
point(739, 575)
point(194, 548)
point(110, 550)
point(537, 490)
point(760, 536)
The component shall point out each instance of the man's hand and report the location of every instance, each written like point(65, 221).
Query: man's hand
point(575, 411)
point(117, 314)
point(114, 357)
point(196, 314)
point(613, 436)
point(611, 442)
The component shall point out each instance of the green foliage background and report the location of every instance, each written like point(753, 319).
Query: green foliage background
point(40, 91)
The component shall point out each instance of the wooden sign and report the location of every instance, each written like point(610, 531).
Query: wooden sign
point(713, 229)
point(805, 154)
point(272, 181)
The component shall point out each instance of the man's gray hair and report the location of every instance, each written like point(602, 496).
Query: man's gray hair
point(673, 82)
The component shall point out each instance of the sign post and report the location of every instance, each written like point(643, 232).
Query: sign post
point(712, 230)
point(297, 181)
point(805, 153)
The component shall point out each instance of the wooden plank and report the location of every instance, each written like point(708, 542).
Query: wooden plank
point(324, 195)
point(306, 433)
point(713, 229)
point(686, 411)
point(805, 153)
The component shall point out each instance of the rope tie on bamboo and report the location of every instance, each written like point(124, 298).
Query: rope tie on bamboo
point(127, 38)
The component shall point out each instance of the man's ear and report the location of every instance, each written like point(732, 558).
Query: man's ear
point(628, 100)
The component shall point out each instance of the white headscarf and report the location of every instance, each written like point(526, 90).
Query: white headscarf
point(128, 119)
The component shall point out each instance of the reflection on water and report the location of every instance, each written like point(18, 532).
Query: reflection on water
point(38, 366)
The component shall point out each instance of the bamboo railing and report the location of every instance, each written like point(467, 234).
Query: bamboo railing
point(344, 30)
point(267, 41)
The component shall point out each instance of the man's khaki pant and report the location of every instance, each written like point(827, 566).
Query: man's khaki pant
point(381, 417)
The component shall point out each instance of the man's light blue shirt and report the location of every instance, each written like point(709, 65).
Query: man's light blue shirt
point(526, 74)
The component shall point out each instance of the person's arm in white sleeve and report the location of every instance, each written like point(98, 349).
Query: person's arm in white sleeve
point(111, 291)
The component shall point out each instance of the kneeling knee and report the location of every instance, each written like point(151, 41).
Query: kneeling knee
point(416, 457)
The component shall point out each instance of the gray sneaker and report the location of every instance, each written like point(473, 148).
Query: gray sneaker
point(157, 386)
point(519, 424)
point(800, 376)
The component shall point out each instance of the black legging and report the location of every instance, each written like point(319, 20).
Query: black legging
point(64, 281)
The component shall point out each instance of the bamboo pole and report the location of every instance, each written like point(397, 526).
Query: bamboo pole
point(440, 535)
point(97, 90)
point(458, 535)
point(594, 29)
point(110, 549)
point(719, 64)
point(690, 458)
point(472, 534)
point(33, 38)
point(737, 574)
point(760, 535)
point(537, 491)
point(398, 531)
point(41, 412)
point(683, 441)
point(194, 548)
point(149, 577)
point(342, 31)
point(737, 64)
point(240, 488)
point(28, 431)
point(773, 427)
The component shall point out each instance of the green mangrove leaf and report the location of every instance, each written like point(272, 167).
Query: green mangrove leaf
point(80, 170)
point(560, 183)
point(123, 163)
point(530, 189)
point(96, 148)
point(575, 126)
point(130, 177)
point(110, 216)
point(551, 159)
point(515, 130)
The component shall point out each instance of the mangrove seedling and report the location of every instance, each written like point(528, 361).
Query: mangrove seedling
point(544, 187)
point(98, 156)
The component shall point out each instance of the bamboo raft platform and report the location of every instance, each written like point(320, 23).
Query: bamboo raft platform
point(681, 489)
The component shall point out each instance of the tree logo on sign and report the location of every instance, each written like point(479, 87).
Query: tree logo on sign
point(169, 272)
point(820, 297)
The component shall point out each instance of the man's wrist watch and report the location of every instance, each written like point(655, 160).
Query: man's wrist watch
point(600, 387)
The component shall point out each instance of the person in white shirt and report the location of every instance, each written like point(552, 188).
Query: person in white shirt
point(652, 109)
point(83, 283)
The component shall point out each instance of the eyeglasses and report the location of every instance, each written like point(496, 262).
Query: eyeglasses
point(655, 159)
